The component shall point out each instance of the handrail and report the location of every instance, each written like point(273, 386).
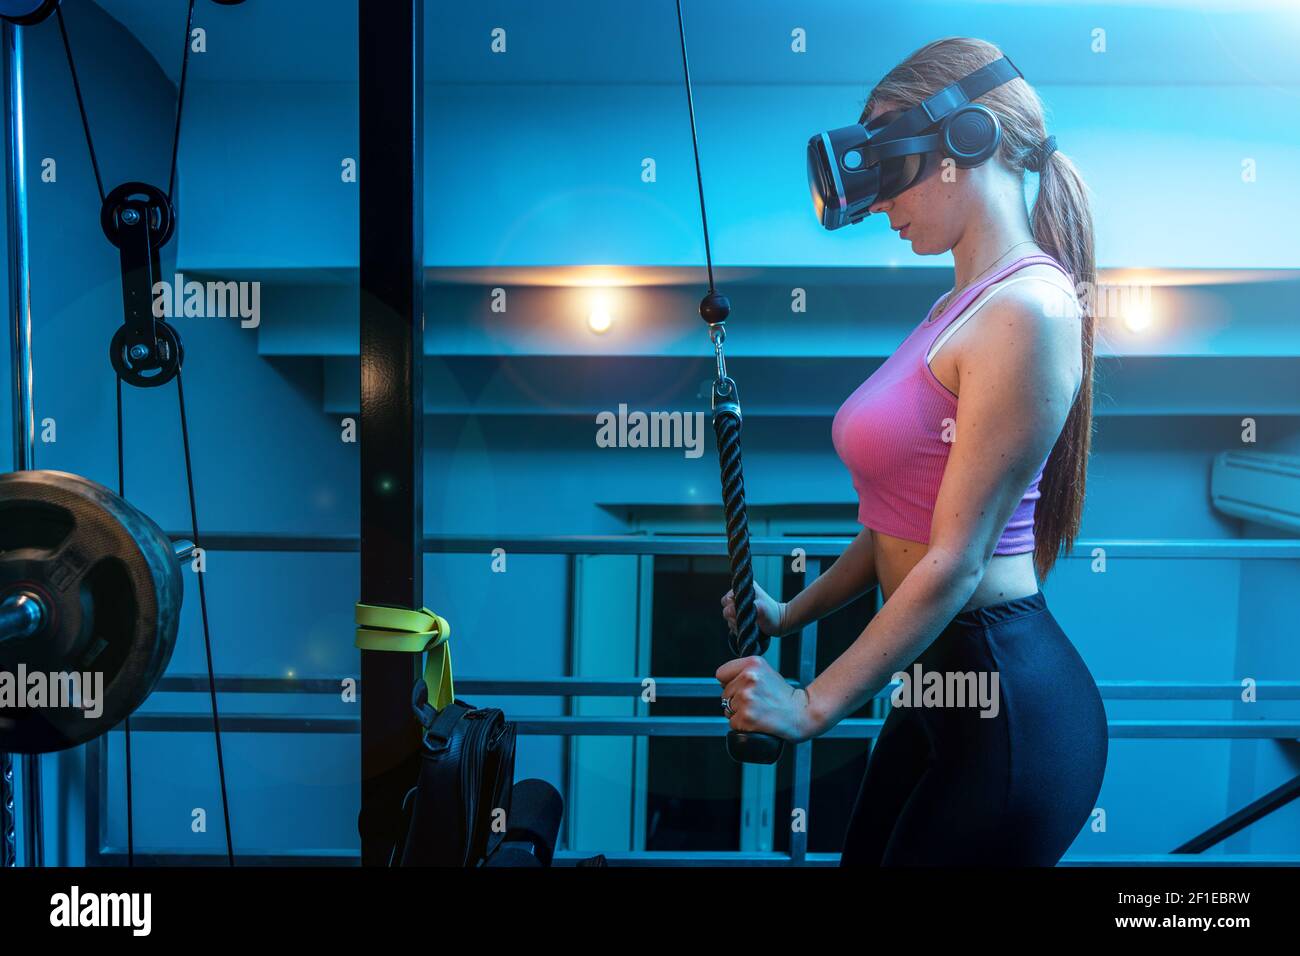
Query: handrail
point(716, 545)
point(816, 549)
point(679, 687)
point(560, 725)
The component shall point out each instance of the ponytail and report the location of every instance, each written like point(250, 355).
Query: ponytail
point(1062, 225)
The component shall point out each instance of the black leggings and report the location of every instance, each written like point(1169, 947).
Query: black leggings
point(947, 786)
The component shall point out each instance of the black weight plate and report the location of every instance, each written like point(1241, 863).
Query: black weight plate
point(109, 577)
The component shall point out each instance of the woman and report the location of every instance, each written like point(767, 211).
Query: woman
point(968, 449)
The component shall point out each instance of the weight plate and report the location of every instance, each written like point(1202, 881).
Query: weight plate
point(112, 588)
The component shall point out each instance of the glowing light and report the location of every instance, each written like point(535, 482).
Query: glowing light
point(1138, 317)
point(599, 319)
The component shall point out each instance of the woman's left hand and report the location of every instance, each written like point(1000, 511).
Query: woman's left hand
point(763, 702)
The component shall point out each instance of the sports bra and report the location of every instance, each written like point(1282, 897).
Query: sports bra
point(895, 431)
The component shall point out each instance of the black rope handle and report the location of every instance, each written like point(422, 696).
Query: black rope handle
point(748, 640)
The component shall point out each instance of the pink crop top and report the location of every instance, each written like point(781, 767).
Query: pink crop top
point(891, 431)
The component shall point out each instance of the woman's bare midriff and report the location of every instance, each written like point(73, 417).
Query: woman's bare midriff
point(1008, 576)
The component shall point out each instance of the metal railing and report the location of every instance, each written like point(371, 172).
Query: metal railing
point(815, 551)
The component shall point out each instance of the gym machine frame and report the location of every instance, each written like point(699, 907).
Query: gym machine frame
point(24, 422)
point(138, 219)
point(390, 61)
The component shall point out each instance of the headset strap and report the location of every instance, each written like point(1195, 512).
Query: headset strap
point(950, 98)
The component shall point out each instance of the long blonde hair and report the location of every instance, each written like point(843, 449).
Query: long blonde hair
point(1061, 221)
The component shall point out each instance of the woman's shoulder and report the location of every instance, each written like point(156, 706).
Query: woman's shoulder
point(1029, 322)
point(1038, 287)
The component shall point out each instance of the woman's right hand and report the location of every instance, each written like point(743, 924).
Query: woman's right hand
point(769, 612)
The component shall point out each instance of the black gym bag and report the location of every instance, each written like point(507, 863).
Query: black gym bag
point(467, 770)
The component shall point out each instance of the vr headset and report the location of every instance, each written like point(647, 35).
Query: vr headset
point(852, 167)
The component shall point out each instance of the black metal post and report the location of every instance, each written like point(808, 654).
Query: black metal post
point(801, 788)
point(391, 65)
point(1257, 810)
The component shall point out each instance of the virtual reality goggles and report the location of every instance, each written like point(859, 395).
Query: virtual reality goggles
point(852, 167)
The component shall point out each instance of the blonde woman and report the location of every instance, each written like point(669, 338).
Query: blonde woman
point(968, 450)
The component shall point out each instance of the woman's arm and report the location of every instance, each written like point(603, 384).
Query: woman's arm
point(1018, 380)
point(852, 574)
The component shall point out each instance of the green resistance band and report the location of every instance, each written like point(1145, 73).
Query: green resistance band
point(402, 629)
